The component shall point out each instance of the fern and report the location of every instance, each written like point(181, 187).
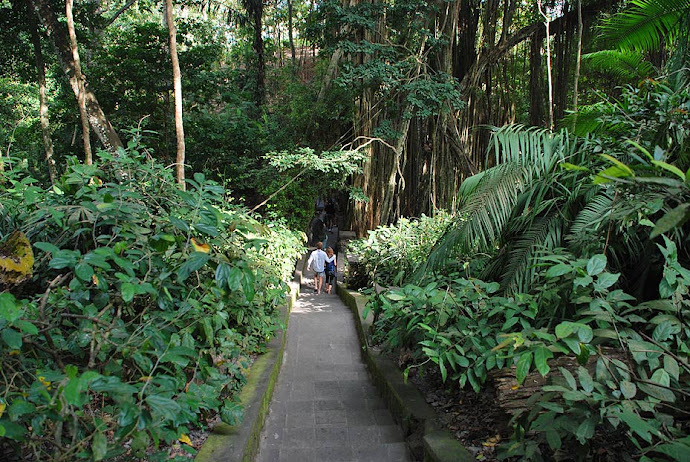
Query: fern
point(626, 65)
point(648, 24)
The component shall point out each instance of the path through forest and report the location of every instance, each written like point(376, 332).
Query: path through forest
point(325, 406)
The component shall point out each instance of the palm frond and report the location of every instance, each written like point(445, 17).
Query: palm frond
point(544, 233)
point(535, 149)
point(647, 24)
point(625, 65)
point(589, 220)
point(482, 216)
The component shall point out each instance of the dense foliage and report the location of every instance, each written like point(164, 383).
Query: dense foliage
point(144, 308)
point(569, 247)
point(391, 253)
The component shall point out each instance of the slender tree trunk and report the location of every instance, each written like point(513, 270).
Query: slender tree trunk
point(61, 42)
point(43, 98)
point(577, 62)
point(290, 37)
point(547, 22)
point(177, 87)
point(79, 78)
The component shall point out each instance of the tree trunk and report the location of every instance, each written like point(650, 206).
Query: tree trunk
point(577, 62)
point(61, 42)
point(78, 78)
point(255, 9)
point(177, 87)
point(547, 23)
point(536, 116)
point(43, 98)
point(290, 37)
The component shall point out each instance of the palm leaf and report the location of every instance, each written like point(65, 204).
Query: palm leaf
point(487, 203)
point(623, 64)
point(482, 216)
point(590, 220)
point(544, 233)
point(536, 149)
point(647, 24)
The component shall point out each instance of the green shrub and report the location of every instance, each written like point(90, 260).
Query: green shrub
point(144, 308)
point(467, 329)
point(391, 253)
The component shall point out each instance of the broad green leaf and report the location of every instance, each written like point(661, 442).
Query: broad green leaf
point(222, 274)
point(670, 168)
point(606, 280)
point(127, 290)
point(83, 271)
point(573, 345)
point(541, 356)
point(585, 379)
point(568, 378)
point(585, 430)
point(673, 219)
point(611, 172)
point(523, 366)
point(638, 425)
point(10, 309)
point(72, 392)
point(564, 329)
point(628, 389)
point(679, 451)
point(662, 332)
point(163, 406)
point(46, 247)
point(553, 438)
point(596, 264)
point(671, 366)
point(558, 270)
point(584, 333)
point(26, 327)
point(12, 338)
point(99, 446)
point(194, 262)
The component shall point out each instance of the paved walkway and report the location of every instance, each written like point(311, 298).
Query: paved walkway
point(324, 406)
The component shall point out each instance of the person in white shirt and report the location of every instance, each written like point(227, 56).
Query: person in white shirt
point(317, 262)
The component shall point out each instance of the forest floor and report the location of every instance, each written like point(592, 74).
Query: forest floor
point(474, 419)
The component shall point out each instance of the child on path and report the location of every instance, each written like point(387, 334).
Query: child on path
point(317, 262)
point(331, 265)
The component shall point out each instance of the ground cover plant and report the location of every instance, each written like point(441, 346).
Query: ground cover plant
point(139, 316)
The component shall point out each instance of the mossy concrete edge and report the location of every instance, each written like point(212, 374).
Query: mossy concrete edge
point(241, 442)
point(418, 420)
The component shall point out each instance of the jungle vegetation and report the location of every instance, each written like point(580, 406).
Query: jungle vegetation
point(522, 168)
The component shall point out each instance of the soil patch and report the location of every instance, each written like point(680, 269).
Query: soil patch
point(473, 418)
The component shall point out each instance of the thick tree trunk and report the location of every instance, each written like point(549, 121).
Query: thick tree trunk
point(177, 87)
point(78, 78)
point(43, 98)
point(61, 42)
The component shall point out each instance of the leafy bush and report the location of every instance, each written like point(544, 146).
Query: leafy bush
point(144, 308)
point(391, 253)
point(467, 329)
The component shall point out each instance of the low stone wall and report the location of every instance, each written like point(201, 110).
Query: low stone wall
point(426, 439)
point(241, 442)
